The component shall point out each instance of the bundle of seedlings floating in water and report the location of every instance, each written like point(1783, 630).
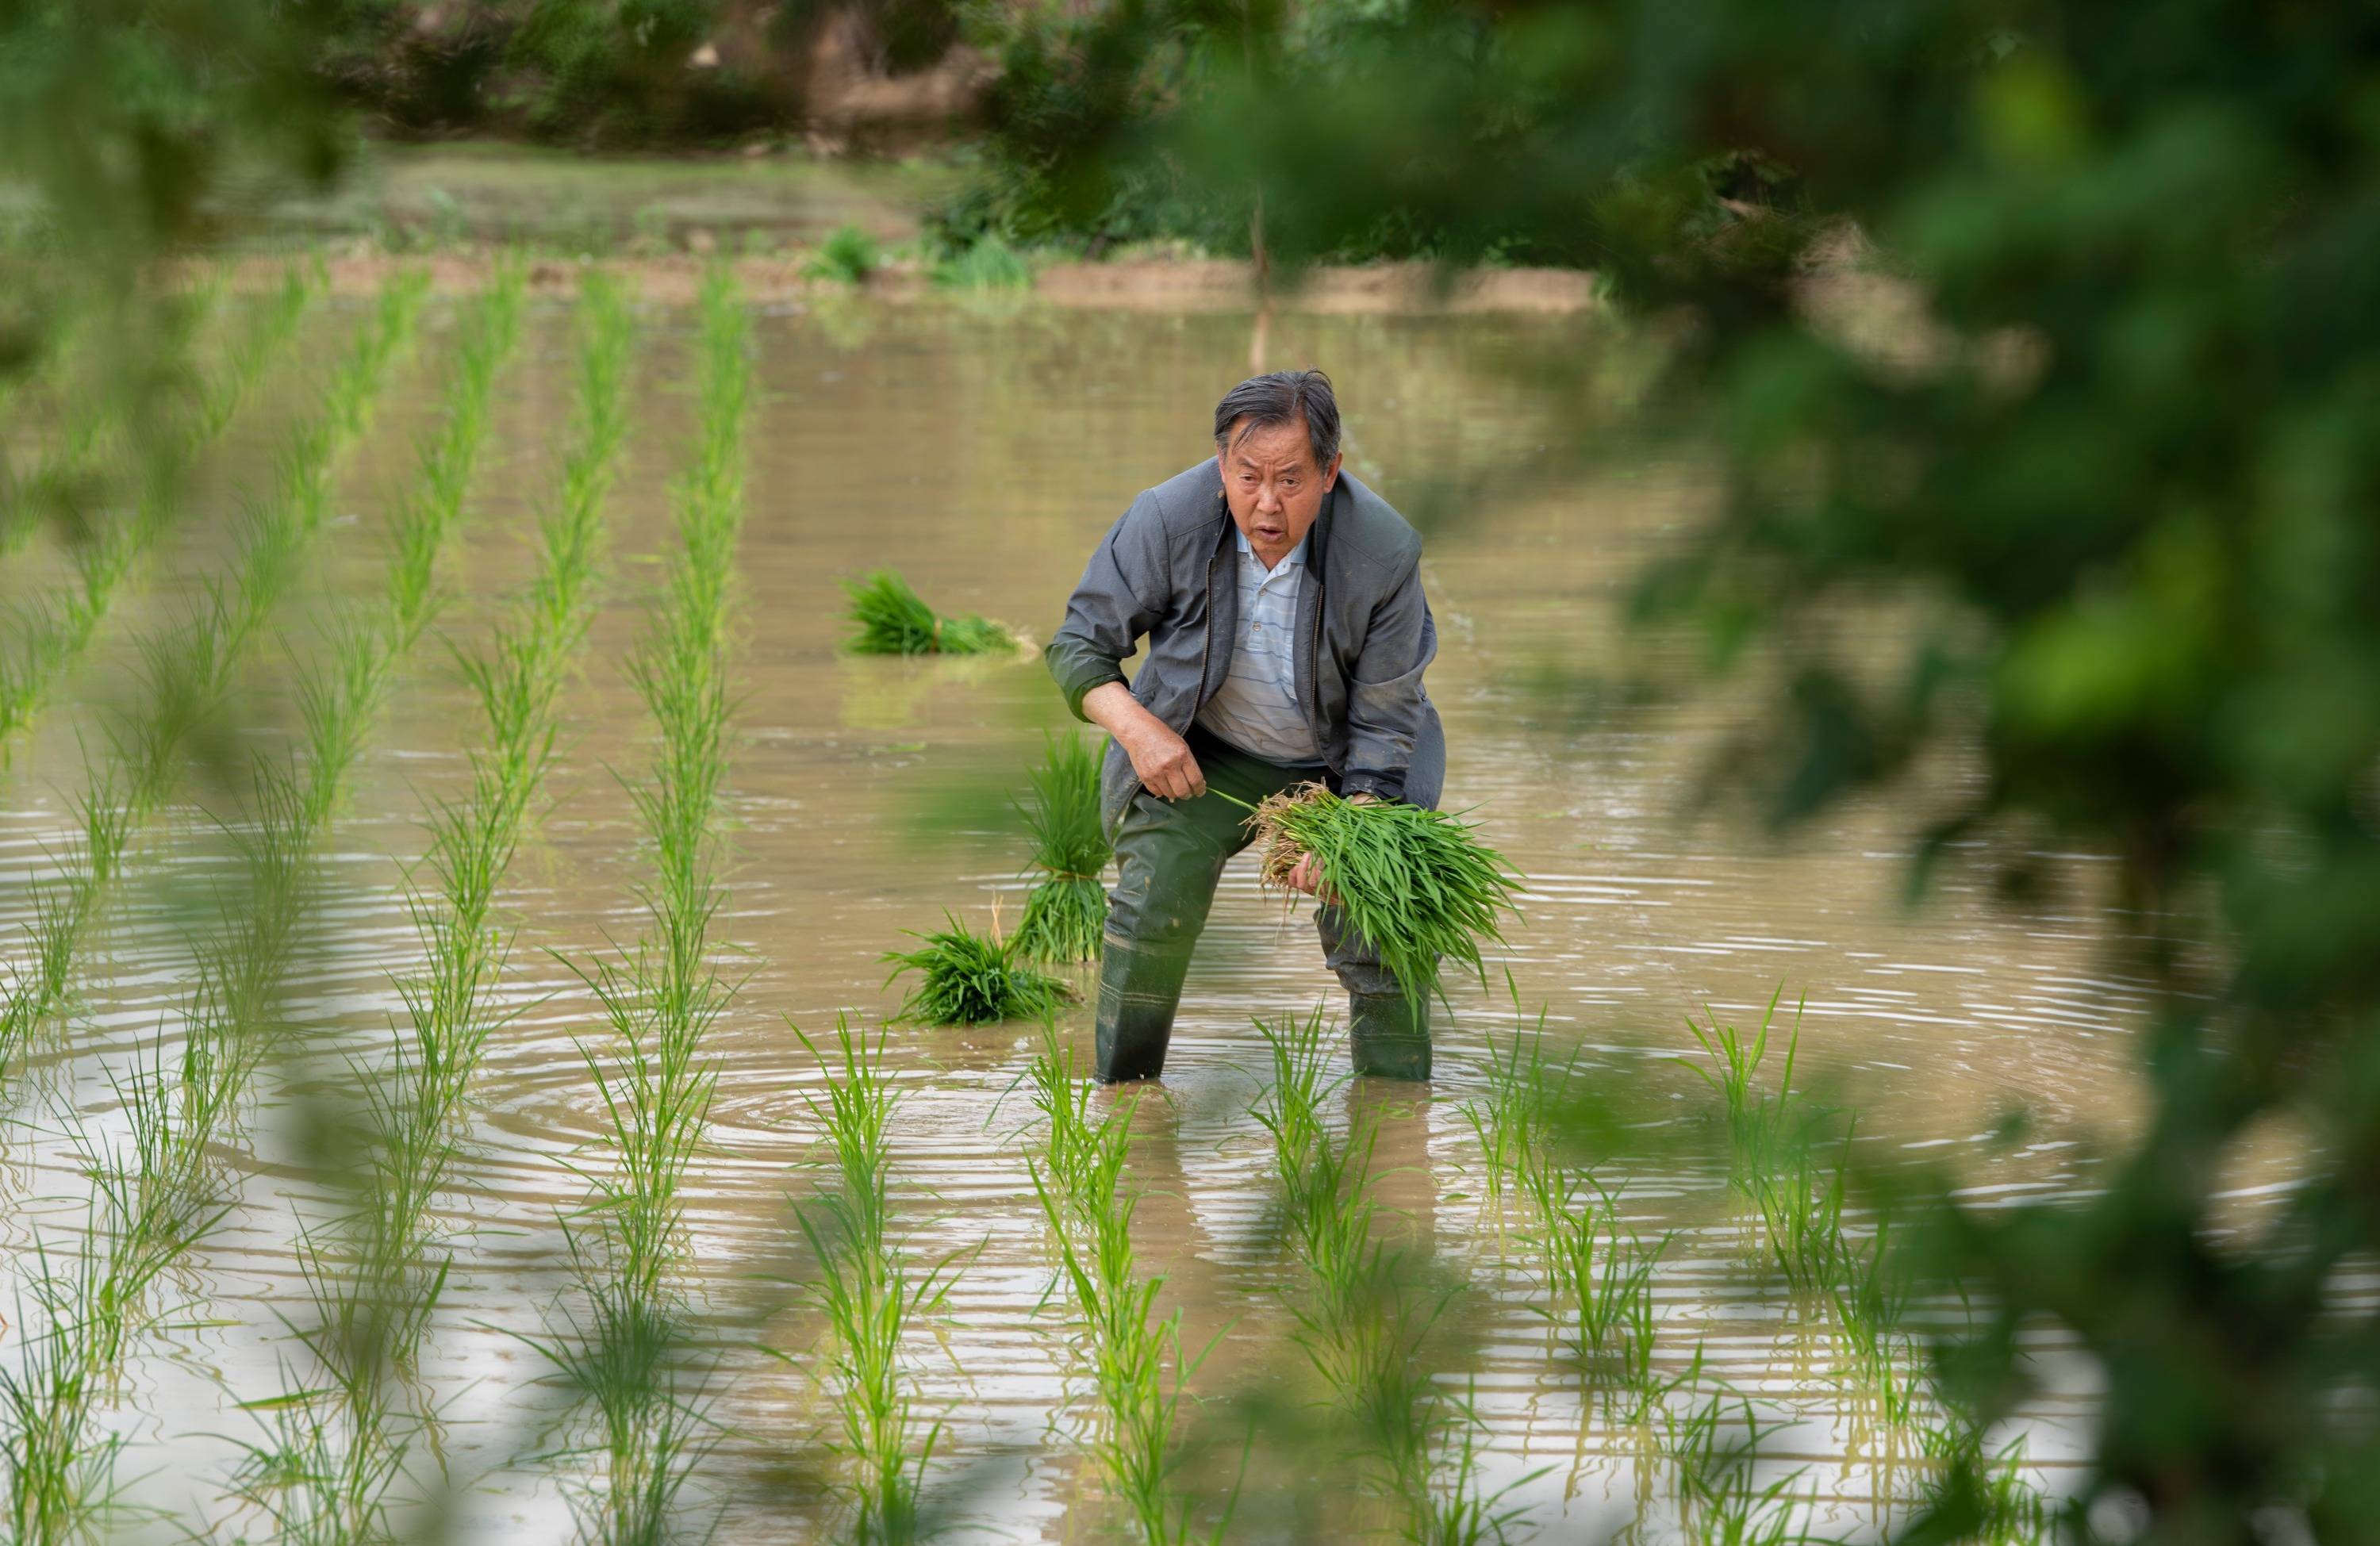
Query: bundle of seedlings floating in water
point(969, 979)
point(1415, 882)
point(1064, 911)
point(889, 618)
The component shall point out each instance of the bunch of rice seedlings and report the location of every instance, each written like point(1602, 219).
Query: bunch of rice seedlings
point(186, 670)
point(53, 632)
point(1416, 883)
point(1067, 908)
point(966, 978)
point(1135, 1356)
point(870, 1294)
point(889, 618)
point(661, 997)
point(1361, 1320)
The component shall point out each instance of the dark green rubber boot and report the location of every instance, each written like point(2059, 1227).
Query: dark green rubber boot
point(1389, 1037)
point(1139, 989)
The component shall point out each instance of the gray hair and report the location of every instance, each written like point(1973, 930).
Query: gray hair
point(1284, 398)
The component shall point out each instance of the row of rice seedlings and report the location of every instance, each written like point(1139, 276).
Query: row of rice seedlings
point(890, 618)
point(1362, 1318)
point(626, 1354)
point(1135, 1356)
point(186, 670)
point(1067, 911)
point(870, 1294)
point(1415, 882)
point(416, 1108)
point(104, 400)
point(53, 631)
point(965, 978)
point(1591, 1267)
point(161, 1195)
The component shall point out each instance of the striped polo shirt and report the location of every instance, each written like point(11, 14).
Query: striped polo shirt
point(1257, 709)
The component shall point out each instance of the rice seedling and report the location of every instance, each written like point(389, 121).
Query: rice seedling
point(186, 670)
point(662, 999)
point(889, 618)
point(1415, 882)
point(1802, 1217)
point(1362, 1321)
point(1066, 910)
point(870, 1294)
point(965, 978)
point(847, 256)
point(1135, 1356)
point(1756, 1120)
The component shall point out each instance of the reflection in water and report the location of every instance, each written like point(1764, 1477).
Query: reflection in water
point(982, 452)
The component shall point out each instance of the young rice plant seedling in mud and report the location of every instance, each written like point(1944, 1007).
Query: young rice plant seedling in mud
point(1067, 907)
point(1362, 1320)
point(1087, 1206)
point(626, 1354)
point(970, 978)
point(888, 618)
point(871, 1292)
point(1414, 881)
point(188, 669)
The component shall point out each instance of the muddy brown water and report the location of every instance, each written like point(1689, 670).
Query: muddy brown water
point(982, 451)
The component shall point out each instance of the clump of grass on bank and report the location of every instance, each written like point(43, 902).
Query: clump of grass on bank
point(1416, 883)
point(848, 255)
point(986, 263)
point(1066, 910)
point(965, 978)
point(889, 618)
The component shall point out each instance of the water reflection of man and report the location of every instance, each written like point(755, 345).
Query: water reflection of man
point(1287, 633)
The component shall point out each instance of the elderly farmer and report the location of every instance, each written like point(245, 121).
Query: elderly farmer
point(1287, 636)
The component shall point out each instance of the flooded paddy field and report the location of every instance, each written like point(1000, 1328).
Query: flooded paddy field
point(981, 452)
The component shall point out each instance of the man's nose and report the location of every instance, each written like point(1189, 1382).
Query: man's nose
point(1267, 500)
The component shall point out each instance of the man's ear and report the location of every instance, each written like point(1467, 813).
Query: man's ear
point(1330, 473)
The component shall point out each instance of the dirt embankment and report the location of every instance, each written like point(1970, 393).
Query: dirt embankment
point(1175, 286)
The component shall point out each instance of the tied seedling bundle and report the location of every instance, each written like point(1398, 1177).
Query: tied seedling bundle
point(1415, 882)
point(967, 979)
point(1065, 910)
point(889, 618)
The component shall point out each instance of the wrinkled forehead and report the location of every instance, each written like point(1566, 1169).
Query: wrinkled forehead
point(1267, 447)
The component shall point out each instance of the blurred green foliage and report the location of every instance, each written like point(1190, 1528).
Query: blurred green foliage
point(2062, 321)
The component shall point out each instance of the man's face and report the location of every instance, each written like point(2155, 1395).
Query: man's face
point(1273, 486)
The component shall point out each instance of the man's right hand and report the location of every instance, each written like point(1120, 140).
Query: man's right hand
point(1160, 759)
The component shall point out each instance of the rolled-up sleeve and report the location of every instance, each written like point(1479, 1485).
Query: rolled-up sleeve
point(1385, 699)
point(1121, 597)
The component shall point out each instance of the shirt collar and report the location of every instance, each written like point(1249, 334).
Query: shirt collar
point(1295, 555)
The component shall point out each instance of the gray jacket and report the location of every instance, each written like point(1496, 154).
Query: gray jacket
point(1365, 634)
